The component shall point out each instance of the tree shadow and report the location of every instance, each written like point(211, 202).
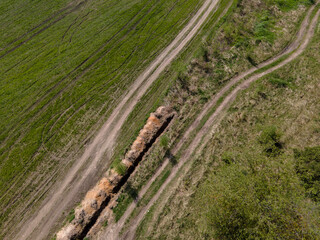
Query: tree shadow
point(131, 191)
point(171, 157)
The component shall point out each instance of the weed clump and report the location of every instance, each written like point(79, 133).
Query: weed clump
point(270, 139)
point(164, 141)
point(308, 169)
point(120, 168)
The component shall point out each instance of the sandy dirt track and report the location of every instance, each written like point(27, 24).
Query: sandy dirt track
point(39, 226)
point(301, 42)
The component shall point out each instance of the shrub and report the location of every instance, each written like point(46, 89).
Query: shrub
point(270, 139)
point(105, 224)
point(164, 141)
point(227, 157)
point(286, 5)
point(120, 168)
point(263, 29)
point(279, 82)
point(308, 169)
point(263, 204)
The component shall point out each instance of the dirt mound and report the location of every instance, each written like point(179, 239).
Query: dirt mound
point(98, 197)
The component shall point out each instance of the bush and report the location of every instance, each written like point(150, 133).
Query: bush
point(280, 83)
point(270, 139)
point(263, 204)
point(308, 169)
point(227, 157)
point(263, 30)
point(164, 141)
point(120, 168)
point(287, 5)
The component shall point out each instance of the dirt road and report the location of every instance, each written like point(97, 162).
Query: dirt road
point(40, 225)
point(297, 47)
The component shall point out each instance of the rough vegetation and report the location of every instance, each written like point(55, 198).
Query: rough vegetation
point(245, 192)
point(218, 60)
point(308, 169)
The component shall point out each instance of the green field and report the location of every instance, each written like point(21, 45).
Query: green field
point(64, 67)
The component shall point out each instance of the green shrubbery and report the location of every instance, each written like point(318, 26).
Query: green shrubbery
point(260, 196)
point(308, 168)
point(263, 28)
point(120, 168)
point(278, 82)
point(270, 139)
point(262, 204)
point(286, 5)
point(164, 141)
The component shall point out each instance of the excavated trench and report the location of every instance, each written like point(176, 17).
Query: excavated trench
point(142, 154)
point(98, 198)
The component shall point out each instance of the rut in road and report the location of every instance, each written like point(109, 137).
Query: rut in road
point(296, 48)
point(39, 226)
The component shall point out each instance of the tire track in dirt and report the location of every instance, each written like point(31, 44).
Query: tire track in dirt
point(33, 106)
point(22, 175)
point(29, 109)
point(63, 13)
point(105, 139)
point(305, 34)
point(53, 16)
point(100, 51)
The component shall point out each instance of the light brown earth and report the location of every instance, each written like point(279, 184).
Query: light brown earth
point(103, 191)
point(39, 226)
point(302, 39)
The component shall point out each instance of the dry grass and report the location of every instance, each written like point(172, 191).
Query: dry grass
point(293, 109)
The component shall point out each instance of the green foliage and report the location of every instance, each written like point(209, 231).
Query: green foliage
point(105, 224)
point(270, 139)
point(182, 79)
point(123, 202)
point(308, 169)
point(164, 141)
point(70, 216)
point(263, 30)
point(286, 5)
point(260, 204)
point(234, 36)
point(227, 157)
point(120, 168)
point(280, 83)
point(125, 198)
